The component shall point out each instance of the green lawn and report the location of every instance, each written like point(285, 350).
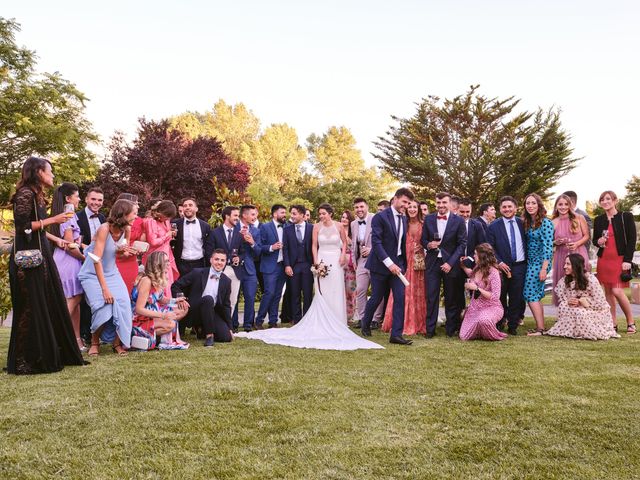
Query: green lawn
point(523, 408)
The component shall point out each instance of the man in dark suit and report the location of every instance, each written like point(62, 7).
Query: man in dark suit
point(89, 220)
point(486, 215)
point(475, 235)
point(248, 252)
point(272, 265)
point(506, 236)
point(209, 299)
point(224, 237)
point(389, 259)
point(444, 237)
point(192, 245)
point(298, 258)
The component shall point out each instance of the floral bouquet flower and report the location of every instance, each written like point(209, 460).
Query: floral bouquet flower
point(320, 270)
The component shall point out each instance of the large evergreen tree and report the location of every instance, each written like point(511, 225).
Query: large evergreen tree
point(477, 147)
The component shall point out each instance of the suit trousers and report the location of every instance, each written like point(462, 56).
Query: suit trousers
point(381, 285)
point(185, 266)
point(203, 314)
point(273, 284)
point(434, 277)
point(511, 295)
point(249, 287)
point(301, 287)
point(363, 280)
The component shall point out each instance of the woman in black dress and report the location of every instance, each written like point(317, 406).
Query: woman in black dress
point(42, 338)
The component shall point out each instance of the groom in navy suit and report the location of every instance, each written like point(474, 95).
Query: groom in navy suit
point(506, 236)
point(388, 238)
point(248, 253)
point(444, 236)
point(298, 258)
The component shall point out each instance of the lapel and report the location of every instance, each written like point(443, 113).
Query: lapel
point(433, 224)
point(388, 213)
point(274, 230)
point(367, 230)
point(503, 232)
point(205, 277)
point(447, 228)
point(83, 223)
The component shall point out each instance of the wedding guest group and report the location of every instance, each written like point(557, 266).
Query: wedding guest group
point(139, 283)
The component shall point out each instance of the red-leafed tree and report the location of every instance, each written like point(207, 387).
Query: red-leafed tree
point(165, 163)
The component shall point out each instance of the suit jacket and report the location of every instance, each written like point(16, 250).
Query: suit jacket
point(384, 242)
point(475, 236)
point(482, 222)
point(355, 247)
point(497, 237)
point(219, 240)
point(452, 245)
point(269, 236)
point(195, 282)
point(207, 242)
point(83, 223)
point(291, 246)
point(248, 254)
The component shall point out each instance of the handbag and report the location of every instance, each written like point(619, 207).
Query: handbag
point(418, 261)
point(625, 275)
point(27, 259)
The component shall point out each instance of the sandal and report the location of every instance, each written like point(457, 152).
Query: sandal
point(537, 332)
point(120, 350)
point(631, 329)
point(94, 350)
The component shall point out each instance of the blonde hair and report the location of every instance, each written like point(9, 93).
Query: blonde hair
point(575, 224)
point(156, 270)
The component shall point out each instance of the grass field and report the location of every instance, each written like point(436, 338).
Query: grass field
point(523, 408)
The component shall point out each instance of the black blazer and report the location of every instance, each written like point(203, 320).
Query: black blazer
point(83, 223)
point(207, 243)
point(624, 229)
point(452, 244)
point(291, 246)
point(476, 235)
point(219, 240)
point(195, 282)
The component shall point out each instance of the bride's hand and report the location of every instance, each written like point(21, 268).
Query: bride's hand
point(343, 260)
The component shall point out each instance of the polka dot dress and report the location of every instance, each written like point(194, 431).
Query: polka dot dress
point(539, 249)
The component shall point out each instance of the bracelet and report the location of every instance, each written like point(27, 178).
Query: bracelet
point(41, 225)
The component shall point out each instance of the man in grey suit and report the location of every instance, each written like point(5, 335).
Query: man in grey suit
point(361, 248)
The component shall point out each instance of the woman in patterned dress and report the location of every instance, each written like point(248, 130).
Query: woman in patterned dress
point(583, 311)
point(153, 313)
point(485, 309)
point(539, 232)
point(349, 269)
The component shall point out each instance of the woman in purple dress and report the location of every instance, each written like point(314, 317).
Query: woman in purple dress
point(485, 309)
point(571, 234)
point(69, 259)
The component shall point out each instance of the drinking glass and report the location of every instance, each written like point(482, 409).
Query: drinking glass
point(69, 210)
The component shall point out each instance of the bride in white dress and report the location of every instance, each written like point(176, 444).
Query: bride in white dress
point(324, 326)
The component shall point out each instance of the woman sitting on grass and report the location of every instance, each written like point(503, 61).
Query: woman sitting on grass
point(583, 311)
point(154, 314)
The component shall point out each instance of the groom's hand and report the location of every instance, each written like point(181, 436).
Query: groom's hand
point(395, 269)
point(288, 271)
point(446, 268)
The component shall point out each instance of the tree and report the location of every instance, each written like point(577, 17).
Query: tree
point(334, 154)
point(163, 162)
point(40, 114)
point(477, 147)
point(633, 191)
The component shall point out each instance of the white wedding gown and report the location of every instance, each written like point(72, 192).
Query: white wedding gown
point(324, 326)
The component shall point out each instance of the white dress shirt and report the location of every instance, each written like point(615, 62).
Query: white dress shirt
point(211, 288)
point(362, 229)
point(279, 232)
point(441, 225)
point(519, 244)
point(387, 261)
point(191, 240)
point(94, 224)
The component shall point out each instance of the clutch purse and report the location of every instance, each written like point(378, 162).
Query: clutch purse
point(27, 259)
point(142, 247)
point(418, 261)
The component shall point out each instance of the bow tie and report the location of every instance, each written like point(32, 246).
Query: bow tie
point(215, 276)
point(95, 215)
point(442, 217)
point(189, 222)
point(279, 225)
point(362, 222)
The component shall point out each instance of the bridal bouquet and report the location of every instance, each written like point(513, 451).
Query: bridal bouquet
point(320, 270)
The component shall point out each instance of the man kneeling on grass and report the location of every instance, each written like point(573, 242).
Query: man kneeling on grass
point(209, 299)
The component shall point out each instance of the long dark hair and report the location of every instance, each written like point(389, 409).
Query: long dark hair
point(534, 222)
point(486, 260)
point(62, 191)
point(578, 272)
point(30, 179)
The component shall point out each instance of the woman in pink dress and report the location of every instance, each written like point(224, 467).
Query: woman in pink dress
point(485, 309)
point(571, 234)
point(349, 269)
point(415, 297)
point(159, 234)
point(126, 262)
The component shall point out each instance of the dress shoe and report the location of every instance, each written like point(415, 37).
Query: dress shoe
point(357, 324)
point(365, 332)
point(429, 335)
point(259, 326)
point(501, 324)
point(400, 341)
point(374, 325)
point(513, 331)
point(235, 330)
point(208, 341)
point(272, 325)
point(248, 330)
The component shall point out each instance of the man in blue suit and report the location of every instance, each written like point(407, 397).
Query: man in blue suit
point(249, 251)
point(506, 236)
point(298, 258)
point(272, 265)
point(388, 237)
point(475, 236)
point(444, 236)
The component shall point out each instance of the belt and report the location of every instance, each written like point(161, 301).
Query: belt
point(519, 263)
point(199, 260)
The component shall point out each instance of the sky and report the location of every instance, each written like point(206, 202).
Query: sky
point(353, 63)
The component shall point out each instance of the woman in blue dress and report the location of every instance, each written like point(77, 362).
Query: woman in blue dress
point(104, 289)
point(539, 232)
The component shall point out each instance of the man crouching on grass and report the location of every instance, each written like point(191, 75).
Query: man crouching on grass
point(209, 299)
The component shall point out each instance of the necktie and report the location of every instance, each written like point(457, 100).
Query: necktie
point(398, 223)
point(229, 232)
point(189, 222)
point(299, 233)
point(442, 217)
point(362, 222)
point(514, 253)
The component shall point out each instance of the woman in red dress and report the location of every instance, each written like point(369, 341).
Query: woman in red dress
point(415, 297)
point(614, 233)
point(159, 234)
point(128, 264)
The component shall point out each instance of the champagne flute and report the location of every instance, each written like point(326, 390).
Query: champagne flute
point(174, 229)
point(69, 210)
point(605, 235)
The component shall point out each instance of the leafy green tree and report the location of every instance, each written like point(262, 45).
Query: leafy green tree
point(334, 154)
point(477, 147)
point(40, 114)
point(633, 191)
